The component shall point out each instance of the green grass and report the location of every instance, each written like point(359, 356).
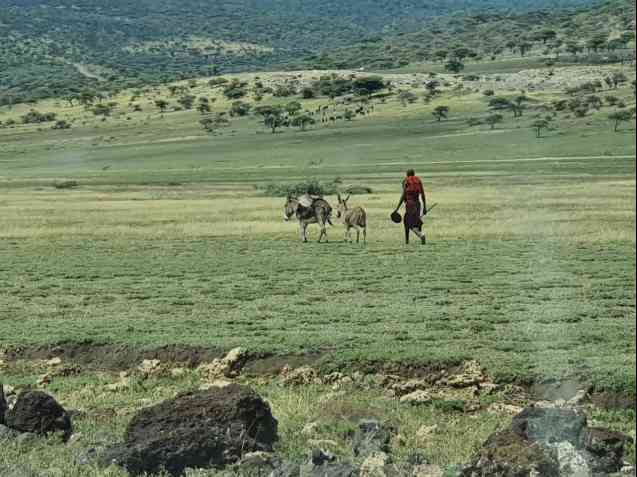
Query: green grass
point(530, 267)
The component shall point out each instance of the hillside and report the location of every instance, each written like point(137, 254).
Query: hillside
point(602, 33)
point(58, 47)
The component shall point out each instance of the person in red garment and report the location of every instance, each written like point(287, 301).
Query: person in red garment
point(413, 193)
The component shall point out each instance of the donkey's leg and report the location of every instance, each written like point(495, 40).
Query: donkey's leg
point(358, 234)
point(304, 232)
point(365, 234)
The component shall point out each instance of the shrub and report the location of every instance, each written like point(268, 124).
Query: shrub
point(61, 124)
point(35, 117)
point(65, 184)
point(312, 187)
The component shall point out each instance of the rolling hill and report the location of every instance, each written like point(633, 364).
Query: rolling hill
point(59, 47)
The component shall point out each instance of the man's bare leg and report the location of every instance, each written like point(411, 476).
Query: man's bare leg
point(420, 235)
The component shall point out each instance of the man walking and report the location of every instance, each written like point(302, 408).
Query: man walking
point(413, 193)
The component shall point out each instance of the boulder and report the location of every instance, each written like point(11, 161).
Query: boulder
point(38, 413)
point(201, 429)
point(371, 437)
point(507, 454)
point(605, 449)
point(549, 425)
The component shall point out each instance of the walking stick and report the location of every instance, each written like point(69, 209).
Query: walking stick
point(429, 210)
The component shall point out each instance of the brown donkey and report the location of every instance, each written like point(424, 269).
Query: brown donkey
point(355, 218)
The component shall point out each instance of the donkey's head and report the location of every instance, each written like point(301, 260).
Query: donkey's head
point(342, 205)
point(290, 208)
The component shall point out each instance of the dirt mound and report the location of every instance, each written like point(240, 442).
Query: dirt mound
point(39, 413)
point(209, 428)
point(115, 357)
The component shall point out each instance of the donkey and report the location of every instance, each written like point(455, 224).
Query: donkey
point(309, 210)
point(355, 218)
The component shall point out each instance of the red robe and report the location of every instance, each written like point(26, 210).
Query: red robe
point(413, 190)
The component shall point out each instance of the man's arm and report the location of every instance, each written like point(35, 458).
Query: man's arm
point(402, 199)
point(423, 197)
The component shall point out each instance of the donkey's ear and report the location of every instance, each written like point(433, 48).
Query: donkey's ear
point(338, 196)
point(347, 198)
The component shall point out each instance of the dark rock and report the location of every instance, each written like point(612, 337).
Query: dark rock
point(199, 429)
point(507, 454)
point(606, 449)
point(3, 404)
point(39, 413)
point(371, 437)
point(320, 457)
point(549, 425)
point(7, 433)
point(416, 458)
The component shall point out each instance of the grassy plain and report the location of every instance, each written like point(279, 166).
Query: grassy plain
point(167, 239)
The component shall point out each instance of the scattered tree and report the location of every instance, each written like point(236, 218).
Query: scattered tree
point(162, 104)
point(454, 65)
point(539, 125)
point(441, 112)
point(619, 117)
point(302, 121)
point(493, 119)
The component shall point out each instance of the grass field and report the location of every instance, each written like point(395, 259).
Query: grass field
point(530, 266)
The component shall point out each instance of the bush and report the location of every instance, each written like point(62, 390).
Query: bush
point(65, 184)
point(312, 187)
point(35, 117)
point(61, 124)
point(357, 189)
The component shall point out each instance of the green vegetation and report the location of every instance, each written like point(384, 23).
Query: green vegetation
point(142, 197)
point(529, 269)
point(63, 48)
point(602, 33)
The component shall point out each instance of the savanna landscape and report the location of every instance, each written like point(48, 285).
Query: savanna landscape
point(145, 160)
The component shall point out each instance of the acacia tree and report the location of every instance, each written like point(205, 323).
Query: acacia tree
point(406, 97)
point(441, 112)
point(518, 105)
point(186, 101)
point(302, 121)
point(454, 65)
point(441, 55)
point(162, 104)
point(539, 125)
point(620, 117)
point(494, 119)
point(212, 123)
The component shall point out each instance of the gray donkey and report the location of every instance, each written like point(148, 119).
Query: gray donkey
point(355, 218)
point(309, 210)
